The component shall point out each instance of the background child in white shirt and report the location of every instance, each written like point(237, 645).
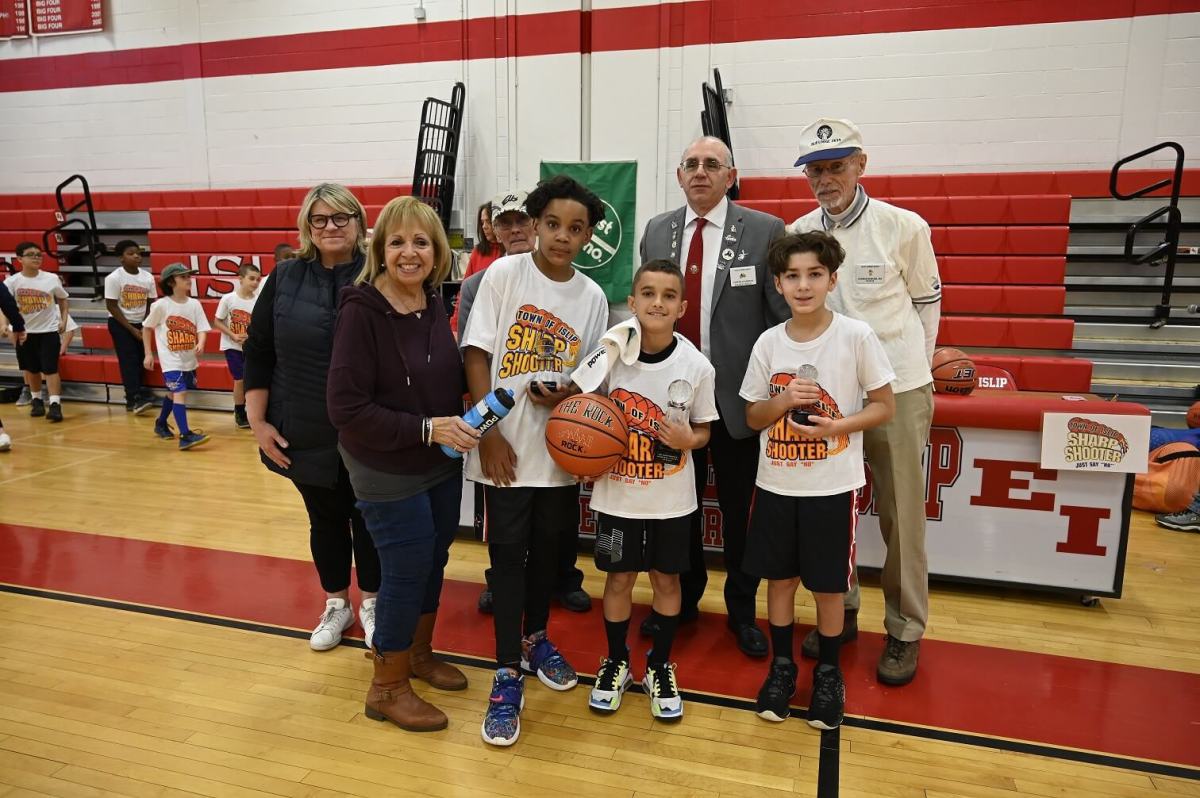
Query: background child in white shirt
point(233, 320)
point(42, 301)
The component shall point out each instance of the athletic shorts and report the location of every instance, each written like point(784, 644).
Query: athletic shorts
point(811, 537)
point(627, 545)
point(39, 353)
point(236, 362)
point(179, 381)
point(512, 514)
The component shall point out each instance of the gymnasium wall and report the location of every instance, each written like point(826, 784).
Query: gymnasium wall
point(216, 93)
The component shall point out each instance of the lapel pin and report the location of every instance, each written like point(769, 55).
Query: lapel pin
point(742, 255)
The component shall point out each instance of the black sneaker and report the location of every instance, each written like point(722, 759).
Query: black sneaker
point(142, 404)
point(240, 420)
point(776, 694)
point(828, 701)
point(575, 600)
point(37, 408)
point(485, 601)
point(54, 414)
point(164, 432)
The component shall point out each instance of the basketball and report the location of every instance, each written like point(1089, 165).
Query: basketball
point(586, 435)
point(1193, 415)
point(953, 372)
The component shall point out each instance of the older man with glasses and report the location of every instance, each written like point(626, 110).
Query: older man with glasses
point(722, 249)
point(889, 280)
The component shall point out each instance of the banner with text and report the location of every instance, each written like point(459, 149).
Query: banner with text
point(54, 17)
point(14, 19)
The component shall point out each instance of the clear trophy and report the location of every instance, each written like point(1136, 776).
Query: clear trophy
point(679, 397)
point(800, 414)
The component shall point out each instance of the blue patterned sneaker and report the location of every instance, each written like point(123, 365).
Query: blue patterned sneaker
point(612, 680)
point(538, 655)
point(659, 684)
point(502, 721)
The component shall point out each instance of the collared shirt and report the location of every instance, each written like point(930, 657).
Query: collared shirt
point(889, 270)
point(711, 235)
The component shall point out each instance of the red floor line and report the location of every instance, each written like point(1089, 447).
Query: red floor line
point(1122, 710)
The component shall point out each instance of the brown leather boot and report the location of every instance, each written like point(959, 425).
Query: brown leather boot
point(391, 697)
point(427, 667)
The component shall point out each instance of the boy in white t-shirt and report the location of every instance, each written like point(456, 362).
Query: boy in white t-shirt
point(42, 301)
point(128, 292)
point(178, 324)
point(804, 385)
point(534, 315)
point(645, 503)
point(233, 320)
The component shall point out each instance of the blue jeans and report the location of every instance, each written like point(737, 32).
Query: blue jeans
point(413, 539)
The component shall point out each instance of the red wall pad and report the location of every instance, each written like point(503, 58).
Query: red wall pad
point(1056, 374)
point(84, 368)
point(1007, 333)
point(1002, 269)
point(1009, 300)
point(1000, 240)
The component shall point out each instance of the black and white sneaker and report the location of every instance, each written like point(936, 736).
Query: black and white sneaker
point(612, 680)
point(37, 407)
point(775, 696)
point(661, 687)
point(828, 702)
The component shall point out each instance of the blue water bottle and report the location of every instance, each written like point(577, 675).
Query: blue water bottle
point(486, 414)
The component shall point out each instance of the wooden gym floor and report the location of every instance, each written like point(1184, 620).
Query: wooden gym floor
point(154, 608)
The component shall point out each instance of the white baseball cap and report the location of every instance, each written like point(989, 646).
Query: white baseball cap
point(827, 140)
point(508, 202)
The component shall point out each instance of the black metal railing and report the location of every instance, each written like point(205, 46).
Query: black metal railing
point(714, 120)
point(437, 151)
point(1166, 251)
point(87, 246)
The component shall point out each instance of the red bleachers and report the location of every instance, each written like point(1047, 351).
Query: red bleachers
point(1003, 269)
point(1062, 374)
point(1008, 300)
point(1008, 333)
point(210, 263)
point(256, 242)
point(1027, 209)
point(235, 217)
point(28, 220)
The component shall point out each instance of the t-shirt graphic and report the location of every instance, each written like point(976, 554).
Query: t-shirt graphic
point(525, 346)
point(786, 445)
point(133, 297)
point(31, 300)
point(239, 321)
point(643, 418)
point(182, 335)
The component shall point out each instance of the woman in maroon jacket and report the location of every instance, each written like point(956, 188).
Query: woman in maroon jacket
point(395, 394)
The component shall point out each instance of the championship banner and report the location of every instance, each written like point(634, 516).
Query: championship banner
point(53, 17)
point(14, 19)
point(608, 257)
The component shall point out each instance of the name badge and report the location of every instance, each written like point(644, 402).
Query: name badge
point(870, 273)
point(742, 275)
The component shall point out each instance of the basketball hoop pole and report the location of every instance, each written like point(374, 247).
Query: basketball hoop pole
point(829, 764)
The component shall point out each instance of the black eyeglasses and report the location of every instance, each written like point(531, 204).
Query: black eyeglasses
point(318, 220)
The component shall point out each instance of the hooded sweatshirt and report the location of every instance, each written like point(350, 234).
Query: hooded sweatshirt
point(388, 370)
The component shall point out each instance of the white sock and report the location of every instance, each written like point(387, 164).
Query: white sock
point(55, 399)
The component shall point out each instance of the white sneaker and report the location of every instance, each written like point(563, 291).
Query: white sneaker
point(5, 442)
point(338, 617)
point(366, 617)
point(26, 398)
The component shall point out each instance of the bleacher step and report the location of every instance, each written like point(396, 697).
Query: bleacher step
point(1133, 297)
point(1148, 367)
point(1083, 313)
point(1117, 282)
point(1167, 334)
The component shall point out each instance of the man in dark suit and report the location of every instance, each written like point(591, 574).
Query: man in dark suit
point(722, 249)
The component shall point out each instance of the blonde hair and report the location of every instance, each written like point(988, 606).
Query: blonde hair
point(339, 198)
point(407, 210)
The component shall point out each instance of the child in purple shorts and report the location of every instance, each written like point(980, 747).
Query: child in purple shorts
point(233, 320)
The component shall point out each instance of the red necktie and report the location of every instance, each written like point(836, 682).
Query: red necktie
point(693, 273)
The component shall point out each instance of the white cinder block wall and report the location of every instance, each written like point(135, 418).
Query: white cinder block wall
point(1061, 96)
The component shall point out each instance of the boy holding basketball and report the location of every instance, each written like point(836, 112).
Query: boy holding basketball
point(534, 315)
point(233, 320)
point(804, 385)
point(645, 503)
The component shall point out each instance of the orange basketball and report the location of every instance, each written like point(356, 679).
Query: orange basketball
point(586, 435)
point(1193, 415)
point(953, 372)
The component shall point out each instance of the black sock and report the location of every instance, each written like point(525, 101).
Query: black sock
point(239, 409)
point(781, 642)
point(664, 636)
point(618, 633)
point(831, 647)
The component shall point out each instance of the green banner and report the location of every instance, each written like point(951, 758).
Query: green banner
point(608, 257)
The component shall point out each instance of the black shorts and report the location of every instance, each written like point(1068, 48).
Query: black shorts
point(811, 537)
point(39, 353)
point(626, 545)
point(511, 515)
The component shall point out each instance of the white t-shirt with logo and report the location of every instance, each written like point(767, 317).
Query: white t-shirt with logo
point(37, 299)
point(235, 312)
point(644, 484)
point(131, 292)
point(849, 360)
point(517, 308)
point(177, 327)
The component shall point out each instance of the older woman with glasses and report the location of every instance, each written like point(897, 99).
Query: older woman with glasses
point(287, 367)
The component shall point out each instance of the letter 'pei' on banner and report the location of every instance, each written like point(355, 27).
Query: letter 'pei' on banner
point(608, 257)
point(1095, 442)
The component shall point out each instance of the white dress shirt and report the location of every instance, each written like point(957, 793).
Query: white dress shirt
point(712, 233)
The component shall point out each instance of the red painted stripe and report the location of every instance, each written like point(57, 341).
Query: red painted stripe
point(1062, 701)
point(635, 28)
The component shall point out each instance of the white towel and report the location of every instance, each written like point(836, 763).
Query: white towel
point(624, 342)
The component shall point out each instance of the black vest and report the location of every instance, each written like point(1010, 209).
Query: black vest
point(306, 301)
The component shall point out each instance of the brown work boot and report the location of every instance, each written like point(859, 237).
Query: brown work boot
point(811, 645)
point(898, 663)
point(391, 697)
point(426, 666)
